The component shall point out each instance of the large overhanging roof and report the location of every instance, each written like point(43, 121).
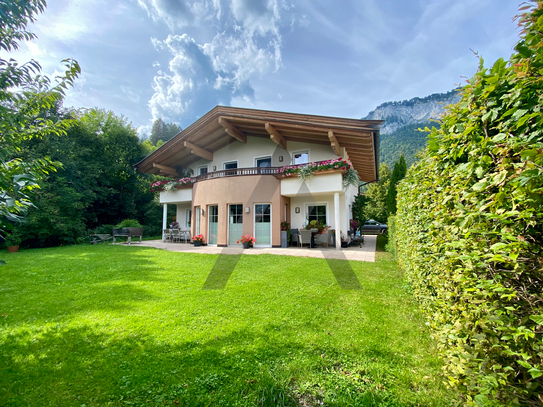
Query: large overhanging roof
point(225, 125)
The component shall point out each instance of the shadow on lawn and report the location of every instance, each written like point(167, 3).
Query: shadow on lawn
point(84, 367)
point(75, 282)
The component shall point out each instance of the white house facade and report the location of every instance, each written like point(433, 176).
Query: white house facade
point(239, 185)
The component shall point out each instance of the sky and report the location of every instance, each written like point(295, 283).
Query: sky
point(177, 59)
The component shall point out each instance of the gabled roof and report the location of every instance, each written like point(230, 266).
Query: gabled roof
point(224, 125)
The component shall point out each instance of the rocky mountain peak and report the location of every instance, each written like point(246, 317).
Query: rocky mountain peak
point(413, 111)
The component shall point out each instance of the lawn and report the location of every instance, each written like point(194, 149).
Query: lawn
point(116, 325)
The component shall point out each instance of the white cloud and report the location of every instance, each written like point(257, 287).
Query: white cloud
point(243, 41)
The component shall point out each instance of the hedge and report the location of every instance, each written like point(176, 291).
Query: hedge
point(469, 229)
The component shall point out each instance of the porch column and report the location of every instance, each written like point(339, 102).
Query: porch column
point(337, 220)
point(164, 219)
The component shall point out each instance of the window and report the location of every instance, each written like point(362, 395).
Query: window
point(202, 170)
point(300, 157)
point(316, 212)
point(263, 162)
point(236, 213)
point(262, 213)
point(188, 214)
point(230, 165)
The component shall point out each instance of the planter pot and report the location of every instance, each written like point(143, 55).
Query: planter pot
point(284, 240)
point(196, 244)
point(13, 249)
point(246, 245)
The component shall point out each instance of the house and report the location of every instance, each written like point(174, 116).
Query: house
point(239, 184)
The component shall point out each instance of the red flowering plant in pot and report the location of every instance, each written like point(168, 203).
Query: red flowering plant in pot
point(198, 240)
point(246, 240)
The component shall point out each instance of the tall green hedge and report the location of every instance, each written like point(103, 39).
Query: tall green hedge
point(469, 231)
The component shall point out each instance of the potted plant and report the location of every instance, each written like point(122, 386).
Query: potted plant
point(13, 240)
point(246, 240)
point(285, 234)
point(198, 240)
point(316, 224)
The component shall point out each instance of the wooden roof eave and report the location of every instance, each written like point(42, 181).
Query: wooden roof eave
point(349, 133)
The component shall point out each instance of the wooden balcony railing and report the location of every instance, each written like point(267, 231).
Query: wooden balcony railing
point(238, 171)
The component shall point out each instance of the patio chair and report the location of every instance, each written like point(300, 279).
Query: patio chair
point(354, 240)
point(185, 235)
point(294, 236)
point(305, 237)
point(322, 239)
point(331, 238)
point(175, 235)
point(167, 235)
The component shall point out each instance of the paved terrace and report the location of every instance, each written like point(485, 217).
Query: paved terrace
point(365, 253)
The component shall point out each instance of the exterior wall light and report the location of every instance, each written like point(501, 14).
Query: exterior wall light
point(297, 209)
point(280, 158)
point(202, 212)
point(214, 168)
point(247, 209)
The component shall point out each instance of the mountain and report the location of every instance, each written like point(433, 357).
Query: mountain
point(399, 134)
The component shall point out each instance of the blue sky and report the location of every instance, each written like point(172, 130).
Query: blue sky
point(177, 59)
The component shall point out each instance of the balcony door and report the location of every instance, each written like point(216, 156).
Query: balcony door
point(213, 224)
point(263, 228)
point(235, 224)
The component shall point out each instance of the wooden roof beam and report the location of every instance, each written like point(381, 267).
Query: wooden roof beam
point(165, 169)
point(199, 151)
point(322, 129)
point(276, 137)
point(233, 131)
point(334, 143)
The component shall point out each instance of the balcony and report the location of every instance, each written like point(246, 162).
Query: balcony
point(238, 171)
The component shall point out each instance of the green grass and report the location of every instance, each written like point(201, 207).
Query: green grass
point(97, 325)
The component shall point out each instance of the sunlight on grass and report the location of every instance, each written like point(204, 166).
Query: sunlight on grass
point(114, 325)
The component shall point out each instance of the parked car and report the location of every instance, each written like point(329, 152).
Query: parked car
point(374, 227)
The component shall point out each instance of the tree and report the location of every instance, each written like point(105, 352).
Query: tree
point(400, 169)
point(24, 96)
point(96, 185)
point(377, 194)
point(163, 131)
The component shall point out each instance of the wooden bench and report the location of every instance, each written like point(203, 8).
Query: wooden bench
point(127, 233)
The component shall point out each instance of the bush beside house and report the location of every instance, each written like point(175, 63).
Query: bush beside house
point(469, 229)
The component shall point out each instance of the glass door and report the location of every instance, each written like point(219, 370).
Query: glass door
point(213, 216)
point(263, 225)
point(235, 224)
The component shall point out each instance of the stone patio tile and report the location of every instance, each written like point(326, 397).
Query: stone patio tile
point(365, 253)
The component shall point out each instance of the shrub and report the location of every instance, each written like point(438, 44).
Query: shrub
point(104, 229)
point(469, 229)
point(391, 244)
point(129, 223)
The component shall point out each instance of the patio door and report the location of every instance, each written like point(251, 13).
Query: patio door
point(235, 224)
point(213, 216)
point(263, 225)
